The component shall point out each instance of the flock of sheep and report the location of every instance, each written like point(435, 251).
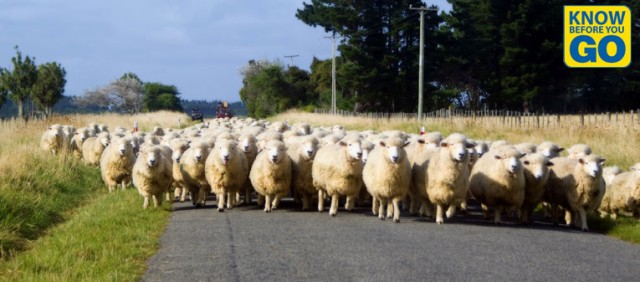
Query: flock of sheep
point(426, 174)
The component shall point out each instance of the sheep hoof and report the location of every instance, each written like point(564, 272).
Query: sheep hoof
point(397, 220)
point(333, 214)
point(439, 221)
point(220, 210)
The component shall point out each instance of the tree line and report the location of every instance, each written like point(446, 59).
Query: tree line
point(480, 54)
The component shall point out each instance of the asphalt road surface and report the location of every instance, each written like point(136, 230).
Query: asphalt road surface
point(247, 244)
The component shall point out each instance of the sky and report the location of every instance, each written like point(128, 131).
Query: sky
point(197, 45)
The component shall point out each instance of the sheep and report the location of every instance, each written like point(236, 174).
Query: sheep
point(77, 140)
point(52, 139)
point(387, 175)
point(497, 143)
point(192, 164)
point(497, 180)
point(102, 128)
point(152, 175)
point(526, 148)
point(247, 144)
point(578, 149)
point(536, 174)
point(577, 186)
point(67, 133)
point(481, 147)
point(302, 154)
point(444, 174)
point(178, 147)
point(336, 171)
point(157, 131)
point(116, 163)
point(226, 170)
point(609, 173)
point(549, 149)
point(303, 128)
point(622, 195)
point(271, 174)
point(93, 147)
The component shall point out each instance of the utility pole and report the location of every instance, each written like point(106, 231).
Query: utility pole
point(422, 10)
point(291, 57)
point(334, 109)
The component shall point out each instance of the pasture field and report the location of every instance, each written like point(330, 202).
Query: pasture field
point(39, 191)
point(618, 144)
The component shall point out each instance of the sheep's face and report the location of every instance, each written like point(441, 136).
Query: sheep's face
point(510, 161)
point(354, 149)
point(577, 150)
point(549, 150)
point(124, 146)
point(309, 149)
point(394, 153)
point(592, 164)
point(83, 135)
point(457, 150)
point(105, 140)
point(275, 152)
point(247, 144)
point(536, 166)
point(178, 151)
point(199, 154)
point(151, 156)
point(226, 151)
point(481, 148)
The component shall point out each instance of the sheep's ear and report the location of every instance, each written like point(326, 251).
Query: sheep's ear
point(601, 162)
point(406, 143)
point(421, 141)
point(581, 161)
point(549, 164)
point(559, 150)
point(382, 144)
point(498, 157)
point(342, 143)
point(444, 144)
point(522, 155)
point(526, 162)
point(471, 145)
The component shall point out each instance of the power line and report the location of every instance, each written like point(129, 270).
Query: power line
point(291, 57)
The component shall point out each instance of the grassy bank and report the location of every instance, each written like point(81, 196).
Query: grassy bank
point(617, 144)
point(39, 191)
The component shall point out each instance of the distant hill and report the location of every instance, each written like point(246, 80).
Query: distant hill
point(64, 106)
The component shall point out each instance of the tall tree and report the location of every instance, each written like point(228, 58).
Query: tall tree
point(159, 96)
point(379, 49)
point(49, 86)
point(19, 82)
point(124, 94)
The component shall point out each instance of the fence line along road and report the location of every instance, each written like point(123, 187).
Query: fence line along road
point(510, 119)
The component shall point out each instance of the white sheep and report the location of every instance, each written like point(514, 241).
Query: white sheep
point(444, 175)
point(52, 139)
point(178, 147)
point(536, 175)
point(67, 133)
point(192, 165)
point(93, 147)
point(609, 173)
point(271, 174)
point(152, 175)
point(622, 195)
point(387, 175)
point(526, 148)
point(578, 149)
point(116, 163)
point(302, 154)
point(549, 149)
point(226, 171)
point(577, 186)
point(77, 140)
point(497, 180)
point(337, 171)
point(247, 144)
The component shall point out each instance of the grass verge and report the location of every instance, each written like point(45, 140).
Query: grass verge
point(108, 239)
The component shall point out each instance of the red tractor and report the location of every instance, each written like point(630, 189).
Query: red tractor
point(223, 110)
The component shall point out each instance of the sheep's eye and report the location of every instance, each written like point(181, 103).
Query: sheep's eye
point(349, 145)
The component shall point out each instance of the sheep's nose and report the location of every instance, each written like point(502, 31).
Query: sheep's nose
point(359, 154)
point(309, 153)
point(513, 167)
point(122, 151)
point(461, 155)
point(152, 162)
point(198, 158)
point(246, 148)
point(394, 159)
point(274, 158)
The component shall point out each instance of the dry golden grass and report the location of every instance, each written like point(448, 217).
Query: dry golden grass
point(616, 139)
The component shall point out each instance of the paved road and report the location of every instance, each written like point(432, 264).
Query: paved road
point(245, 244)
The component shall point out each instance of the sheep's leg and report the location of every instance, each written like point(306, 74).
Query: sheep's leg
point(381, 205)
point(230, 199)
point(124, 184)
point(390, 210)
point(221, 201)
point(111, 188)
point(177, 192)
point(350, 203)
point(463, 207)
point(276, 201)
point(155, 200)
point(413, 205)
point(375, 205)
point(320, 200)
point(247, 195)
point(439, 211)
point(145, 204)
point(334, 204)
point(451, 211)
point(237, 199)
point(396, 210)
point(583, 219)
point(485, 211)
point(306, 198)
point(267, 203)
point(260, 200)
point(183, 194)
point(569, 219)
point(497, 212)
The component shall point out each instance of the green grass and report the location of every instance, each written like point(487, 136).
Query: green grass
point(108, 239)
point(624, 228)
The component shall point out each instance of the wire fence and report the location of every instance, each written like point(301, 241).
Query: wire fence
point(510, 119)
